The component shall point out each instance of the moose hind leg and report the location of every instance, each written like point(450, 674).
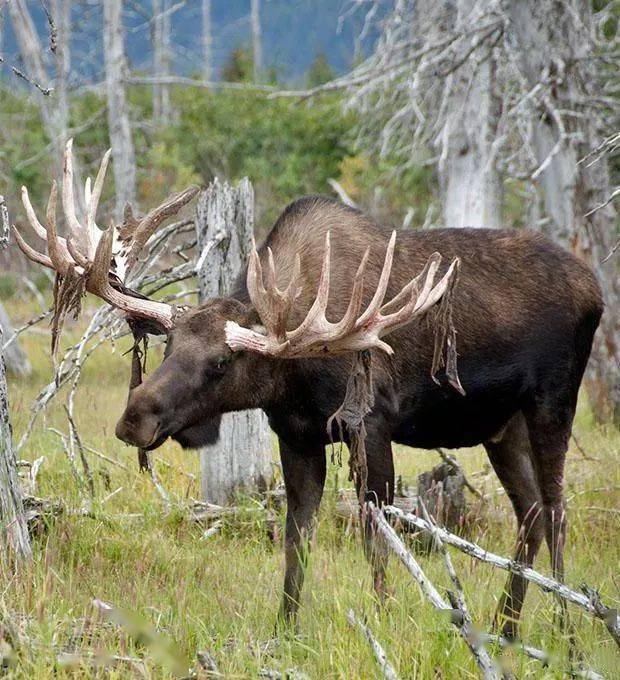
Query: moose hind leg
point(549, 425)
point(512, 462)
point(304, 478)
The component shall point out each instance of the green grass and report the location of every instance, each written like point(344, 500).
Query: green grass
point(222, 595)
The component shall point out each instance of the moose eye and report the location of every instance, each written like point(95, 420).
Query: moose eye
point(218, 367)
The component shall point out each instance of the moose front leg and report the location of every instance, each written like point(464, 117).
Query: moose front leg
point(304, 478)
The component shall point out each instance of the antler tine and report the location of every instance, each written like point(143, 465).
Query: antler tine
point(256, 289)
point(93, 202)
point(30, 252)
point(32, 216)
point(316, 335)
point(153, 219)
point(79, 235)
point(56, 248)
point(350, 318)
point(416, 304)
point(377, 300)
point(316, 313)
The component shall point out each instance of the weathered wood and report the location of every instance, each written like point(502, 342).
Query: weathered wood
point(487, 667)
point(386, 667)
point(589, 601)
point(13, 529)
point(121, 141)
point(15, 359)
point(241, 459)
point(442, 491)
point(471, 185)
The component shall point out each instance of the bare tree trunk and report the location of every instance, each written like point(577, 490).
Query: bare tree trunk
point(161, 60)
point(16, 361)
point(242, 457)
point(32, 53)
point(14, 539)
point(118, 109)
point(207, 42)
point(1, 37)
point(257, 47)
point(471, 185)
point(569, 189)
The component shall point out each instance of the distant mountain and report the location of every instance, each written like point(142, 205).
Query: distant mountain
point(294, 33)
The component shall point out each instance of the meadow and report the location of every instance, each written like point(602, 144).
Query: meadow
point(221, 594)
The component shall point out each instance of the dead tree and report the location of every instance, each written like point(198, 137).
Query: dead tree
point(118, 110)
point(506, 91)
point(16, 361)
point(224, 224)
point(52, 95)
point(161, 29)
point(257, 46)
point(470, 181)
point(207, 42)
point(14, 537)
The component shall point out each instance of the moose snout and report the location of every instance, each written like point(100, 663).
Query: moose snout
point(139, 427)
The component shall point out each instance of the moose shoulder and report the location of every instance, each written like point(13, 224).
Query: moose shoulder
point(525, 312)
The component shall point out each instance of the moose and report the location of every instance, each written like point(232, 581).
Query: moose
point(314, 294)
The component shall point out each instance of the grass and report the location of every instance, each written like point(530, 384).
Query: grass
point(222, 595)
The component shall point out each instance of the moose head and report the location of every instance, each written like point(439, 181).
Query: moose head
point(223, 355)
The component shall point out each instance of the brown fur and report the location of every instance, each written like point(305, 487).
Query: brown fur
point(525, 312)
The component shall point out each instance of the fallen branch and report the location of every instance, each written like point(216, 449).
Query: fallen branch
point(586, 601)
point(386, 668)
point(481, 656)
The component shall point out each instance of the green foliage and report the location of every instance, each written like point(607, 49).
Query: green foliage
point(320, 72)
point(287, 149)
point(239, 66)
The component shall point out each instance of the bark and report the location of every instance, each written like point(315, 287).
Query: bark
point(14, 539)
point(161, 60)
point(471, 185)
point(118, 110)
point(549, 46)
point(257, 46)
point(16, 361)
point(207, 42)
point(241, 459)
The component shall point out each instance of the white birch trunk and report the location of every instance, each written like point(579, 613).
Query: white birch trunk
point(15, 359)
point(118, 111)
point(242, 457)
point(257, 46)
point(471, 185)
point(161, 60)
point(568, 189)
point(207, 42)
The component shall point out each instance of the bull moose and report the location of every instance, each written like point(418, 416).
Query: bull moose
point(525, 312)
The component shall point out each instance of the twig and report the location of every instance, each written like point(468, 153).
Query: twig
point(76, 437)
point(44, 90)
point(386, 668)
point(606, 614)
point(342, 194)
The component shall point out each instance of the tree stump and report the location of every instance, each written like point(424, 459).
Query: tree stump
point(442, 490)
point(241, 459)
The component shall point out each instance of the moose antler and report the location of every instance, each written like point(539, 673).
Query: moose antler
point(101, 260)
point(356, 330)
